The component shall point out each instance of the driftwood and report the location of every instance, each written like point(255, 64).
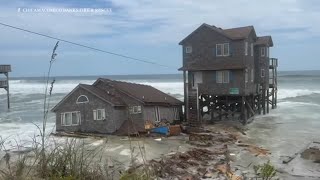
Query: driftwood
point(290, 158)
point(255, 149)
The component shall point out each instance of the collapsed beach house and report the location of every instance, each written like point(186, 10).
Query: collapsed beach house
point(109, 106)
point(228, 74)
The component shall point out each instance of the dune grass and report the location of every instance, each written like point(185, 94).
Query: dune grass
point(71, 160)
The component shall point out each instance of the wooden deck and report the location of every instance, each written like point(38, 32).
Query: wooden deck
point(5, 68)
point(273, 63)
point(3, 83)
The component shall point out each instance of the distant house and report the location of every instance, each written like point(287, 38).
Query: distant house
point(231, 71)
point(109, 106)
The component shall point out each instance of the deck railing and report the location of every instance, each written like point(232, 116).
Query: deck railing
point(273, 62)
point(3, 83)
point(5, 68)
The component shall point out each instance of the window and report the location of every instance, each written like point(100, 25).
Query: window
point(252, 75)
point(188, 49)
point(226, 49)
point(70, 118)
point(246, 48)
point(135, 109)
point(82, 99)
point(222, 49)
point(222, 76)
point(267, 53)
point(251, 49)
point(99, 114)
point(263, 51)
point(176, 114)
point(262, 73)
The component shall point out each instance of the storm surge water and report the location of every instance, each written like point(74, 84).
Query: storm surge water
point(296, 120)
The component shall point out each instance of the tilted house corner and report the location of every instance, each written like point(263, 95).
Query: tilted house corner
point(114, 107)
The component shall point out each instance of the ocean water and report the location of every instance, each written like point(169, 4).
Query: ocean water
point(284, 130)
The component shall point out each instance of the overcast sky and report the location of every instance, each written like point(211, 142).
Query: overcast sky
point(149, 30)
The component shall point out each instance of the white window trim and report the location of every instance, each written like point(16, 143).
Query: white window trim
point(133, 111)
point(188, 49)
point(77, 102)
point(263, 52)
point(222, 50)
point(251, 49)
point(246, 48)
point(176, 113)
point(95, 114)
point(263, 73)
point(223, 80)
point(157, 113)
point(63, 118)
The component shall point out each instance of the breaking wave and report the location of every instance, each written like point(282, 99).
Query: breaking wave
point(291, 93)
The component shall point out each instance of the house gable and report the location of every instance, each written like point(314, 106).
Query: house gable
point(76, 90)
point(202, 28)
point(264, 40)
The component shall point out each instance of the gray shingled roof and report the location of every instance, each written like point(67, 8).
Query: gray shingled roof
point(233, 33)
point(264, 40)
point(116, 101)
point(144, 93)
point(238, 33)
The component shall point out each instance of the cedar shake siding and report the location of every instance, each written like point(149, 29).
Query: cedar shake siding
point(126, 106)
point(227, 67)
point(87, 124)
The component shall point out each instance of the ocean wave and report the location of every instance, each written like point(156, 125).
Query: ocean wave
point(25, 87)
point(299, 75)
point(291, 93)
point(293, 103)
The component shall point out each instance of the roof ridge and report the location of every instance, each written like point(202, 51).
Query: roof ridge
point(240, 27)
point(131, 83)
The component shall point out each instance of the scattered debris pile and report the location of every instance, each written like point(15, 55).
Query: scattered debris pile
point(212, 138)
point(194, 164)
point(211, 161)
point(253, 149)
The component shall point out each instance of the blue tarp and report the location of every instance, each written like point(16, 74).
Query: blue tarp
point(161, 130)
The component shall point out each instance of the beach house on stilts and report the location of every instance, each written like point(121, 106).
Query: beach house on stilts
point(228, 74)
point(4, 82)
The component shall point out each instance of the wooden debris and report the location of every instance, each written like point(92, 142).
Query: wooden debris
point(257, 151)
point(290, 158)
point(208, 139)
point(194, 163)
point(174, 130)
